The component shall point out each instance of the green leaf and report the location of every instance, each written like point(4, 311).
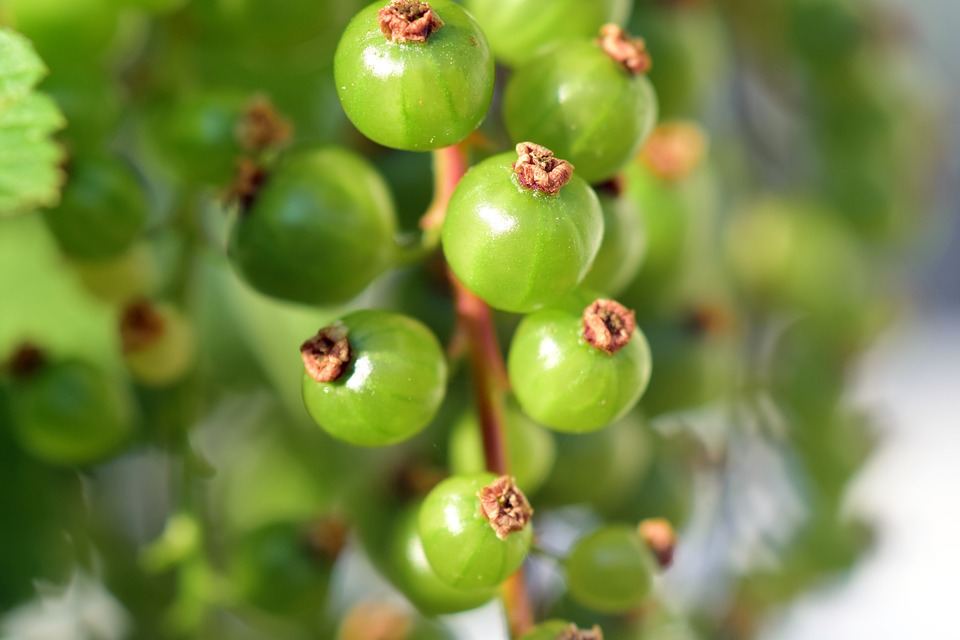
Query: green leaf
point(20, 66)
point(30, 174)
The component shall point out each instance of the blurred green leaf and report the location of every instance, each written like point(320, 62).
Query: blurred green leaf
point(30, 174)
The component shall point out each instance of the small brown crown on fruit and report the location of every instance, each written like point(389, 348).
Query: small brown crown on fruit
point(572, 632)
point(408, 21)
point(628, 51)
point(326, 354)
point(537, 168)
point(608, 325)
point(504, 506)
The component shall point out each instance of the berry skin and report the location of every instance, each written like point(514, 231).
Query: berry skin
point(530, 448)
point(624, 244)
point(519, 248)
point(460, 542)
point(159, 346)
point(610, 570)
point(102, 211)
point(415, 95)
point(318, 230)
point(582, 104)
point(390, 384)
point(518, 28)
point(412, 574)
point(69, 413)
point(564, 382)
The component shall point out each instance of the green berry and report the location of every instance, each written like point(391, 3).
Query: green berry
point(586, 106)
point(102, 211)
point(284, 567)
point(530, 448)
point(317, 231)
point(518, 28)
point(69, 413)
point(624, 242)
point(521, 247)
point(578, 372)
point(417, 580)
point(475, 530)
point(414, 75)
point(374, 378)
point(159, 346)
point(610, 570)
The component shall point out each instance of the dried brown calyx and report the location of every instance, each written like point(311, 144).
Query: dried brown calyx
point(141, 325)
point(537, 168)
point(674, 150)
point(572, 632)
point(326, 354)
point(262, 127)
point(325, 538)
point(504, 506)
point(608, 325)
point(408, 21)
point(26, 360)
point(249, 180)
point(661, 538)
point(628, 51)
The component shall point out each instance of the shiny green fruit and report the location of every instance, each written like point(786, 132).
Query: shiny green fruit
point(390, 386)
point(519, 248)
point(415, 95)
point(610, 570)
point(319, 229)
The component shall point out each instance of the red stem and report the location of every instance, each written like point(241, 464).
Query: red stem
point(475, 325)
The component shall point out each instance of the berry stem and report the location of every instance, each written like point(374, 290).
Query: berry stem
point(449, 164)
point(475, 328)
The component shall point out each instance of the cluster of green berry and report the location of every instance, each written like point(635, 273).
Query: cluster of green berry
point(566, 223)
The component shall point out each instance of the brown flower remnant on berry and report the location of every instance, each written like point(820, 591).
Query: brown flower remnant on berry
point(26, 360)
point(261, 127)
point(504, 506)
point(536, 168)
point(608, 325)
point(661, 538)
point(250, 179)
point(326, 354)
point(572, 632)
point(629, 52)
point(408, 21)
point(674, 150)
point(375, 621)
point(140, 326)
point(710, 320)
point(325, 538)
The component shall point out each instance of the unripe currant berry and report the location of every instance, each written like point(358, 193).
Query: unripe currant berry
point(317, 229)
point(102, 211)
point(475, 529)
point(416, 579)
point(610, 570)
point(575, 372)
point(624, 241)
point(66, 412)
point(530, 447)
point(414, 75)
point(521, 230)
point(594, 103)
point(373, 378)
point(518, 28)
point(159, 345)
